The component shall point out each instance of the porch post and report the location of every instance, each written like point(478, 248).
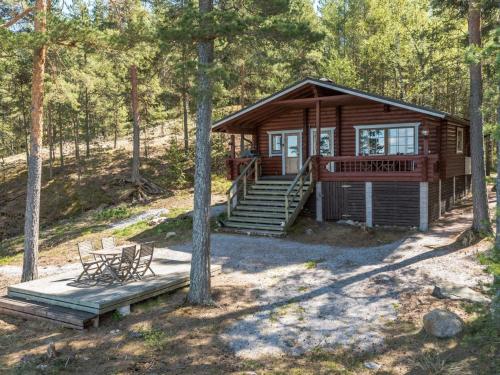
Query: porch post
point(232, 143)
point(318, 127)
point(368, 204)
point(319, 202)
point(424, 206)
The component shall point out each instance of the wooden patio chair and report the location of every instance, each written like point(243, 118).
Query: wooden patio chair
point(125, 267)
point(108, 243)
point(91, 266)
point(143, 261)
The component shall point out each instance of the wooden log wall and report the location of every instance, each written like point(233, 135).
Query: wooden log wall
point(345, 136)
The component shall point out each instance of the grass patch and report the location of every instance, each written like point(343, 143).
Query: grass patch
point(114, 213)
point(131, 230)
point(220, 184)
point(491, 261)
point(313, 263)
point(154, 338)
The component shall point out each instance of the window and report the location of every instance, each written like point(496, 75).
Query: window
point(387, 140)
point(276, 144)
point(401, 141)
point(372, 142)
point(326, 142)
point(460, 140)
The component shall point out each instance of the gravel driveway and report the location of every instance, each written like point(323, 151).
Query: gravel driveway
point(314, 295)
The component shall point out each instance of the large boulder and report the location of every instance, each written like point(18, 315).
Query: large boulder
point(442, 323)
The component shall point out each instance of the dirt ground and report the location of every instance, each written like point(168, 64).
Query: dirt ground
point(163, 335)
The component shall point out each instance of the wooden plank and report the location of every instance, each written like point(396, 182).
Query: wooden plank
point(67, 317)
point(20, 314)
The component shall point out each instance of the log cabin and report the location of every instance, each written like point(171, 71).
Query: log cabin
point(378, 160)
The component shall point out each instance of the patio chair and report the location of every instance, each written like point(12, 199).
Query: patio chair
point(124, 268)
point(108, 243)
point(91, 266)
point(143, 261)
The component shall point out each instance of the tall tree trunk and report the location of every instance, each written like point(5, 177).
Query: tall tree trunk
point(145, 130)
point(489, 154)
point(50, 139)
point(136, 118)
point(481, 221)
point(76, 139)
point(497, 216)
point(32, 215)
point(199, 290)
point(87, 124)
point(115, 140)
point(185, 107)
point(61, 150)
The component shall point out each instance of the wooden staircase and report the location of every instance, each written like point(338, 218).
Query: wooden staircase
point(266, 207)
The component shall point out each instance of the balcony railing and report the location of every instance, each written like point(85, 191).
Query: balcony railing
point(378, 168)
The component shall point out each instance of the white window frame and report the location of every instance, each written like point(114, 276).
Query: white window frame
point(312, 144)
point(461, 130)
point(414, 125)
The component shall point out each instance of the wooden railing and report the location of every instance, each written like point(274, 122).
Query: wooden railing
point(234, 167)
point(240, 184)
point(378, 168)
point(297, 188)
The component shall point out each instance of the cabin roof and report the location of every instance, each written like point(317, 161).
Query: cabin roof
point(327, 84)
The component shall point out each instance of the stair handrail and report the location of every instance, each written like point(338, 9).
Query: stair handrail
point(233, 190)
point(299, 179)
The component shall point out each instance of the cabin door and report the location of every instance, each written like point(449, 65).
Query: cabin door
point(292, 153)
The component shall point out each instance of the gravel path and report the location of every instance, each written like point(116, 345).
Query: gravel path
point(314, 295)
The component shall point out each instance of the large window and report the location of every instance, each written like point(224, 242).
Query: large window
point(326, 142)
point(387, 140)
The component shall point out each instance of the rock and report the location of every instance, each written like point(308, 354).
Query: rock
point(373, 365)
point(170, 234)
point(309, 232)
point(114, 332)
point(42, 366)
point(51, 350)
point(442, 323)
point(455, 292)
point(155, 221)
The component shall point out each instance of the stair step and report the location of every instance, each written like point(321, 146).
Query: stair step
point(266, 203)
point(263, 209)
point(274, 182)
point(271, 192)
point(253, 232)
point(252, 226)
point(267, 197)
point(258, 220)
point(274, 187)
point(269, 214)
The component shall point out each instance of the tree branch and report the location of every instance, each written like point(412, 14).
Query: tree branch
point(16, 18)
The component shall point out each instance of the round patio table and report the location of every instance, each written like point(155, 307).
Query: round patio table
point(108, 257)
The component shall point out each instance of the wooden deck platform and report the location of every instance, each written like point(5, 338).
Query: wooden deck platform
point(63, 292)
